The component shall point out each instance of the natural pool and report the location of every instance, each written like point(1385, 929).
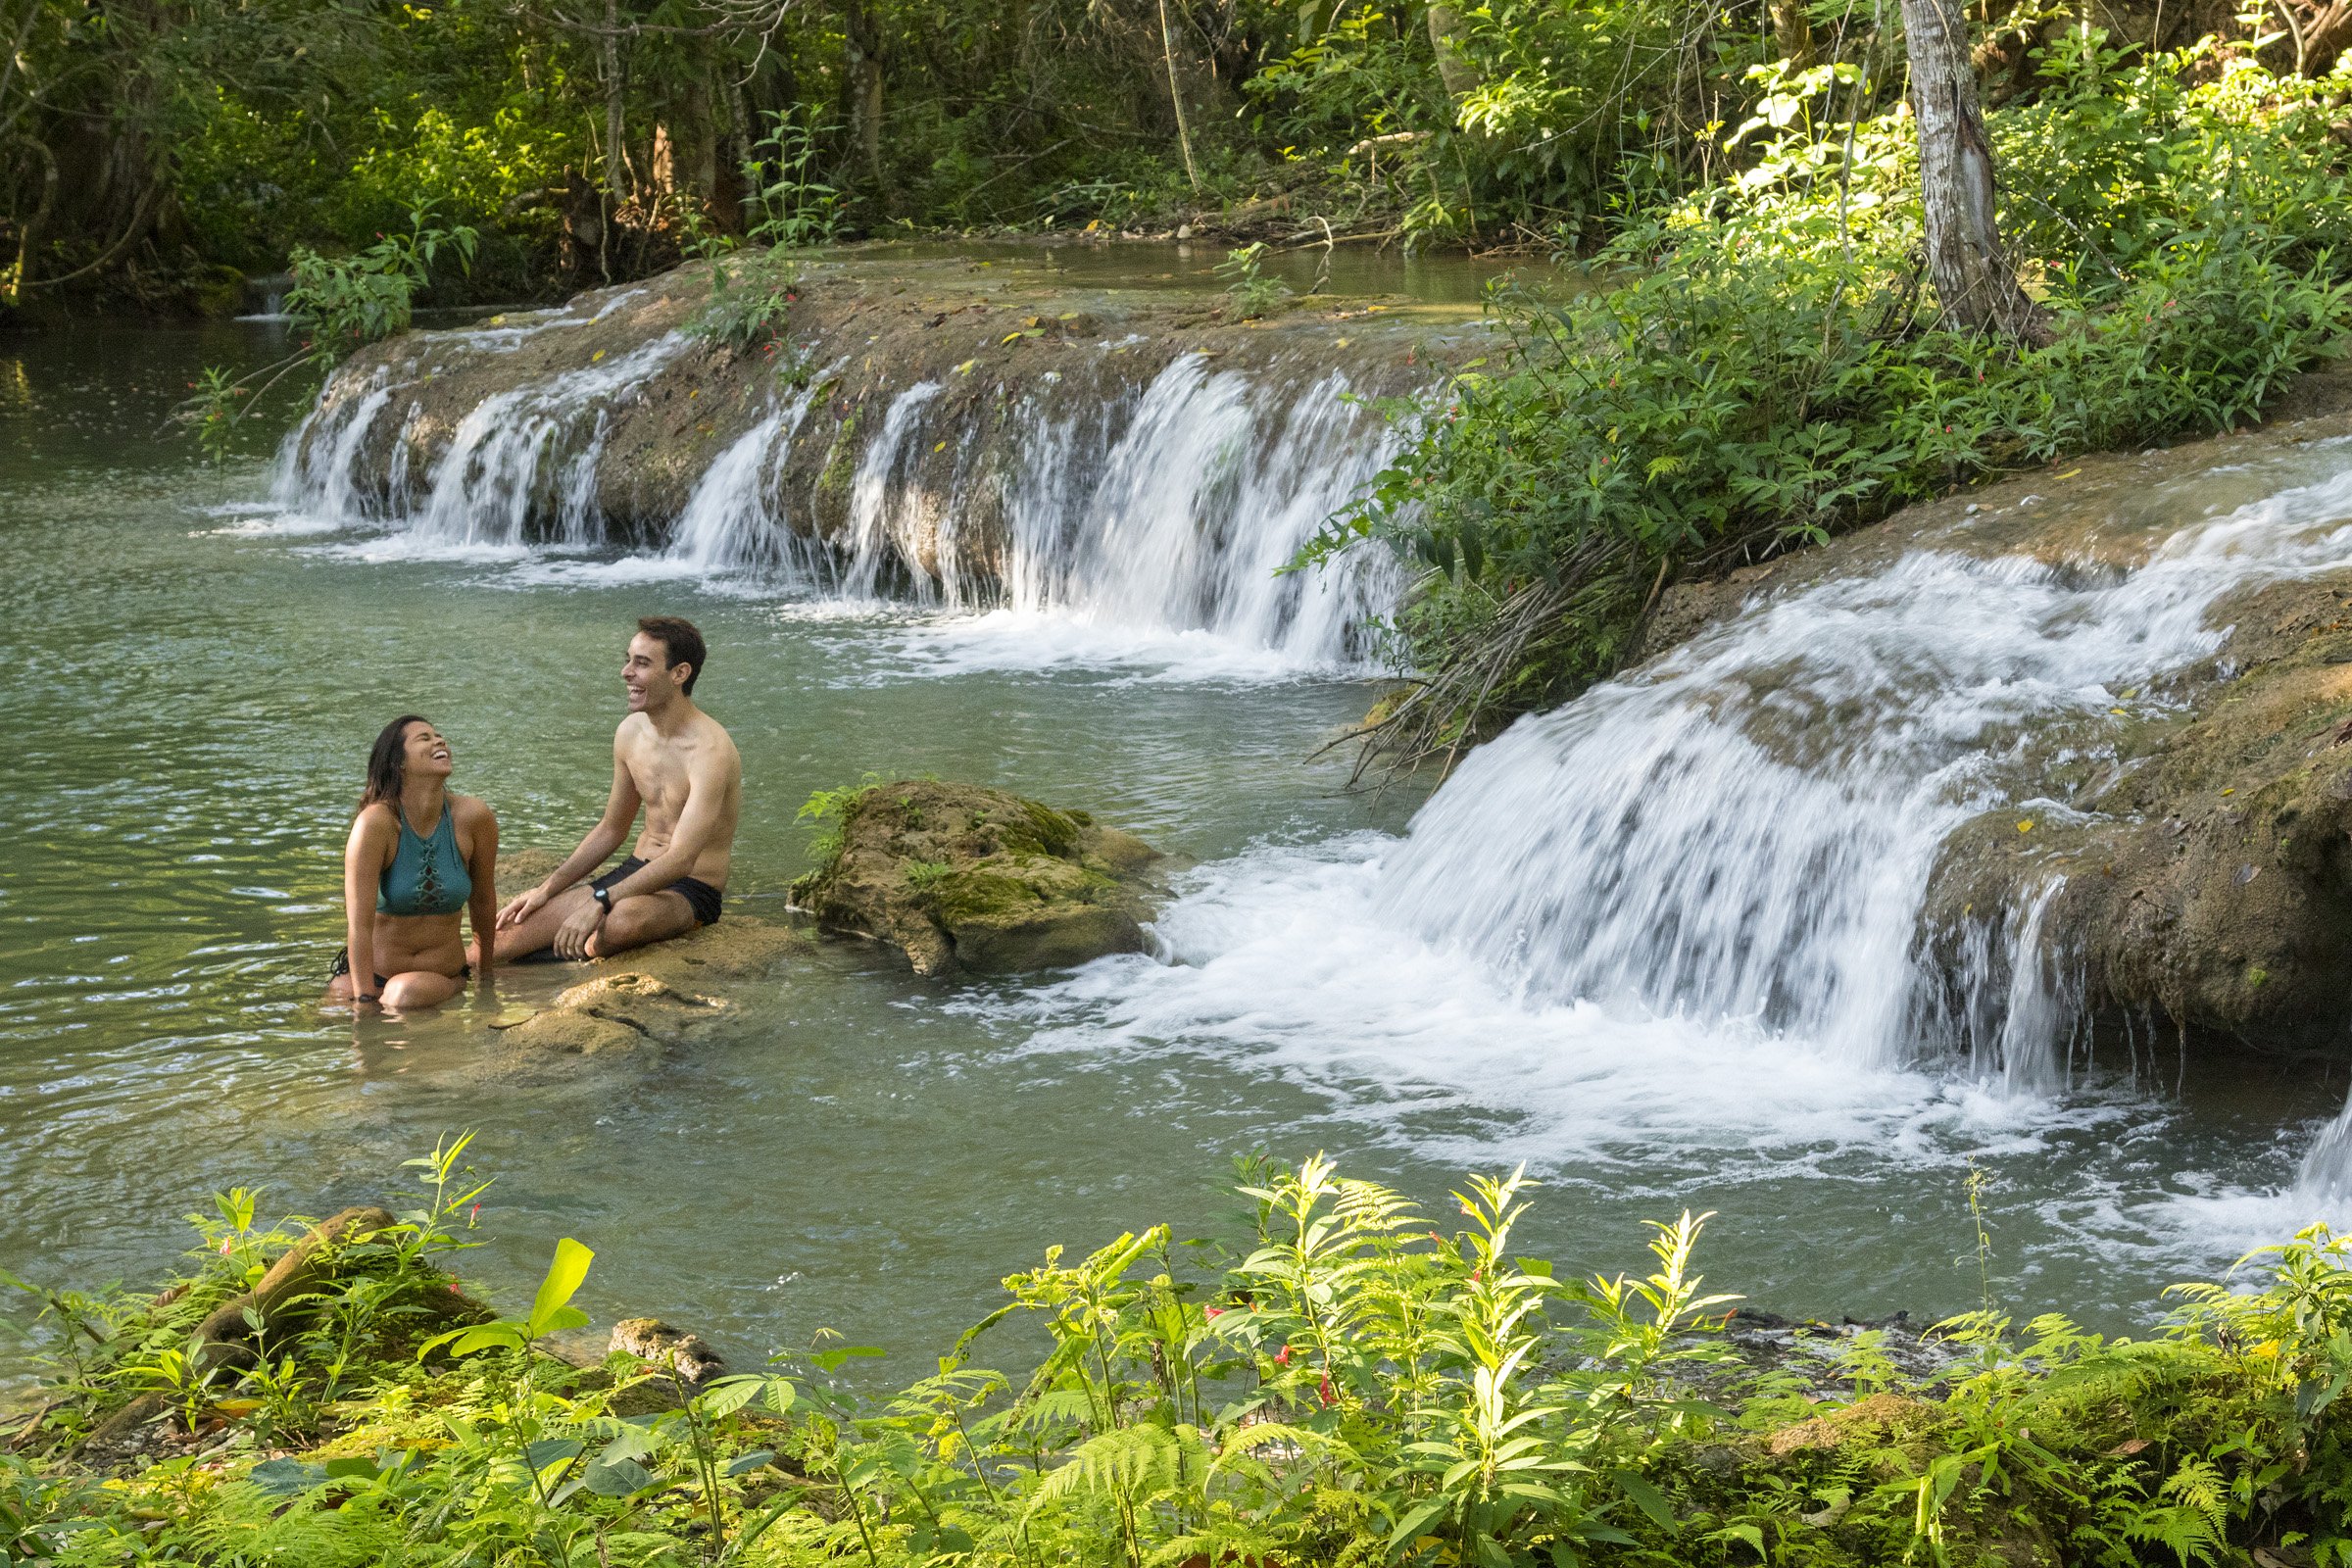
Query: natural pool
point(197, 673)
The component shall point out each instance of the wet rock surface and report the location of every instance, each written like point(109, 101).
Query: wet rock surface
point(640, 1003)
point(2189, 848)
point(969, 880)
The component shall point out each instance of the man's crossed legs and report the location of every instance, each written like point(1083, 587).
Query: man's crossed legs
point(640, 918)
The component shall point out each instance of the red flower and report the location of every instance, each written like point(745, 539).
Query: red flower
point(1284, 1359)
point(1325, 1391)
point(1213, 1311)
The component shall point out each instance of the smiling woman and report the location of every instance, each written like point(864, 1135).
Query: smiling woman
point(402, 950)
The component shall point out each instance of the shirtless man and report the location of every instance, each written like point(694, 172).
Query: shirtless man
point(674, 759)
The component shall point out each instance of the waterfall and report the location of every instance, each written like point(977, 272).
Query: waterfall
point(734, 522)
point(1744, 828)
point(2324, 1181)
point(525, 461)
point(889, 509)
point(1203, 497)
point(1157, 502)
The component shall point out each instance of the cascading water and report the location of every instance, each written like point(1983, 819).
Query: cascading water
point(1205, 499)
point(1167, 509)
point(1744, 830)
point(526, 458)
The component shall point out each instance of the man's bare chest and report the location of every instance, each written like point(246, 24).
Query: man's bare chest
point(661, 783)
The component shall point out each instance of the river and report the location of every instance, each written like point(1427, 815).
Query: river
point(198, 669)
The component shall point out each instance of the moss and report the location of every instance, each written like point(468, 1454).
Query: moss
point(841, 463)
point(977, 897)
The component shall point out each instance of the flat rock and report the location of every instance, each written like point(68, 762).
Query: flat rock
point(637, 1003)
point(970, 880)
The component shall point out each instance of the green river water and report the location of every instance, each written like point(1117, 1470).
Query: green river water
point(192, 692)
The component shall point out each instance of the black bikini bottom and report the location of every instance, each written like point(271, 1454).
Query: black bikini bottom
point(342, 967)
point(702, 896)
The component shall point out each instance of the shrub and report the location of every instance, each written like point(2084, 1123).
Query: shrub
point(1756, 368)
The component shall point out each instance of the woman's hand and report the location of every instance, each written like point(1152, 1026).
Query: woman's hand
point(522, 907)
point(571, 939)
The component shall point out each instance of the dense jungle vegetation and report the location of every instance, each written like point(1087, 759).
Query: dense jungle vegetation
point(152, 149)
point(1335, 1382)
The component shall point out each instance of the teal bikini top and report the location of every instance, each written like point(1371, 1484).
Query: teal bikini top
point(427, 875)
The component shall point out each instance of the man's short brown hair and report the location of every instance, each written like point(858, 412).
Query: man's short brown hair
point(680, 643)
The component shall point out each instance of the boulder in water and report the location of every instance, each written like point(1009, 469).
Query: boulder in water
point(643, 999)
point(970, 880)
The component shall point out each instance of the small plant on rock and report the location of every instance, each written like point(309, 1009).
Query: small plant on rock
point(1253, 292)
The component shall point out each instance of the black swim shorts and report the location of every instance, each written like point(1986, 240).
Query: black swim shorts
point(702, 896)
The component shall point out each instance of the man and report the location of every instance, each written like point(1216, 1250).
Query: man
point(674, 759)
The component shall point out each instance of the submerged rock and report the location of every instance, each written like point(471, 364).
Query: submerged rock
point(972, 880)
point(642, 1000)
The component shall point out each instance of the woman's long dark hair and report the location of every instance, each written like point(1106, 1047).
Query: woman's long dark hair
point(388, 762)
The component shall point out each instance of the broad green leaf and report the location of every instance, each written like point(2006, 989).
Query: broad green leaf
point(1409, 1528)
point(731, 1394)
point(287, 1478)
point(563, 1277)
point(1648, 1499)
point(617, 1478)
point(745, 1463)
point(551, 1450)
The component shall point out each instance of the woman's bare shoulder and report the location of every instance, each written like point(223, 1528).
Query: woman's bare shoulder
point(471, 810)
point(375, 822)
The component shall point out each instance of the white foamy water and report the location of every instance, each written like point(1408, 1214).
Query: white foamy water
point(1668, 929)
point(1743, 829)
point(1143, 536)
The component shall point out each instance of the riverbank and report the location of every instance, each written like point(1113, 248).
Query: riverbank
point(1332, 1382)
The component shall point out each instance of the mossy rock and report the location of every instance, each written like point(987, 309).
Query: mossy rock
point(969, 880)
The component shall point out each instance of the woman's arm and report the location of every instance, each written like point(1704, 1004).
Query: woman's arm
point(362, 874)
point(481, 910)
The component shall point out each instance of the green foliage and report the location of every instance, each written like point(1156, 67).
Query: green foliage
point(347, 302)
point(1345, 1385)
point(1761, 369)
point(828, 810)
point(750, 301)
point(788, 206)
point(1253, 293)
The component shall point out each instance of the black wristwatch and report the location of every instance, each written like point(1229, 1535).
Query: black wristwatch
point(603, 896)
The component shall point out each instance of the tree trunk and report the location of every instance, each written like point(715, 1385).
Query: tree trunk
point(1457, 74)
point(865, 85)
point(1184, 132)
point(1792, 32)
point(614, 89)
point(1975, 283)
point(698, 130)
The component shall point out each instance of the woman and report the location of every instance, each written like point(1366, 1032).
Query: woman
point(417, 855)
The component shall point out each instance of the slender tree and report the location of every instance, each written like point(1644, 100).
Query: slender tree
point(1974, 282)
